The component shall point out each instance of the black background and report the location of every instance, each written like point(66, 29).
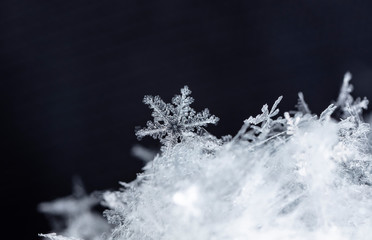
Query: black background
point(73, 75)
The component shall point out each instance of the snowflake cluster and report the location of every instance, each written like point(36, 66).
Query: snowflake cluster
point(300, 176)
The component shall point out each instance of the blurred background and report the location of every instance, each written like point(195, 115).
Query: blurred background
point(73, 75)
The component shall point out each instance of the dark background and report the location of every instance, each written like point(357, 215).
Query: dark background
point(73, 75)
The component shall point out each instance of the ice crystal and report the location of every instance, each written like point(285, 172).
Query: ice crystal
point(302, 105)
point(173, 122)
point(263, 126)
point(72, 216)
point(300, 176)
point(346, 102)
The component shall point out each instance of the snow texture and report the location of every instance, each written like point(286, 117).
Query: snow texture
point(299, 177)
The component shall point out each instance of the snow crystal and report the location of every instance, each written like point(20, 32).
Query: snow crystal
point(73, 217)
point(172, 122)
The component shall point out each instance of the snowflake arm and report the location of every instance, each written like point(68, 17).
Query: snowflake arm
point(202, 119)
point(183, 103)
point(161, 109)
point(153, 129)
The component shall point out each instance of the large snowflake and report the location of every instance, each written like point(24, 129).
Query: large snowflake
point(173, 122)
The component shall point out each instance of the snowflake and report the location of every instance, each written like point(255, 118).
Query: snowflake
point(173, 122)
point(73, 216)
point(262, 127)
point(70, 207)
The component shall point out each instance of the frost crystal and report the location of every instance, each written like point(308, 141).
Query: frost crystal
point(299, 177)
point(346, 102)
point(263, 126)
point(173, 122)
point(72, 216)
point(302, 105)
